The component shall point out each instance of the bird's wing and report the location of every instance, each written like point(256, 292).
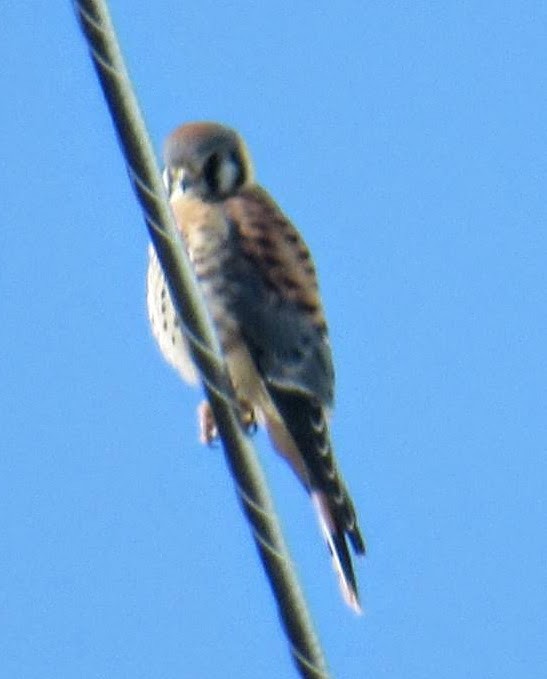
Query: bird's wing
point(281, 319)
point(280, 312)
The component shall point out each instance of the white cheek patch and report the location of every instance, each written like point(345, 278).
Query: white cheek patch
point(227, 175)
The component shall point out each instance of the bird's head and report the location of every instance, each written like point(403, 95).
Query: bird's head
point(206, 161)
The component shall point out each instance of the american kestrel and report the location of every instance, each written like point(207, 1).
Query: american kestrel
point(261, 291)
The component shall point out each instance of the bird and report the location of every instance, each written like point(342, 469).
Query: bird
point(260, 288)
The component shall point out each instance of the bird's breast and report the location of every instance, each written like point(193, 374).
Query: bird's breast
point(206, 234)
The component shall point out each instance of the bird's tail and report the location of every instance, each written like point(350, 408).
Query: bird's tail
point(300, 432)
point(335, 536)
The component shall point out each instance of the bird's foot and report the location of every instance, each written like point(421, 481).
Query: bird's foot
point(208, 432)
point(247, 418)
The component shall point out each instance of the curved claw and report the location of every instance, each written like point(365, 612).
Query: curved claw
point(208, 432)
point(247, 419)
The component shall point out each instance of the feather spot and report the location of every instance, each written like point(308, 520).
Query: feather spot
point(289, 283)
point(271, 260)
point(339, 498)
point(307, 307)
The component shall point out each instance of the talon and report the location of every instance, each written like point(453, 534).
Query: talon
point(208, 432)
point(247, 418)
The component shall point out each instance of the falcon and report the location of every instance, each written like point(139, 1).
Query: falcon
point(260, 287)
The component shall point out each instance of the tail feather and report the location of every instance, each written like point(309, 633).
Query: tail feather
point(335, 538)
point(308, 448)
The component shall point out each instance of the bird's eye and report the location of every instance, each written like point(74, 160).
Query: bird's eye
point(176, 180)
point(184, 183)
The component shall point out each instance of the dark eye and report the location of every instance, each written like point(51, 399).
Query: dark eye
point(210, 171)
point(184, 183)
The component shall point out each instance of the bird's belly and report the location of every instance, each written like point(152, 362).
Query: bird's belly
point(165, 322)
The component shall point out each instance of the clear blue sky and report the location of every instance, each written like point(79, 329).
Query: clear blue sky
point(408, 142)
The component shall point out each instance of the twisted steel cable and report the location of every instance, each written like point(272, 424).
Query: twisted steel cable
point(240, 456)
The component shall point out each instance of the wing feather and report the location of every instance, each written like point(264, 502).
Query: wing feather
point(280, 313)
